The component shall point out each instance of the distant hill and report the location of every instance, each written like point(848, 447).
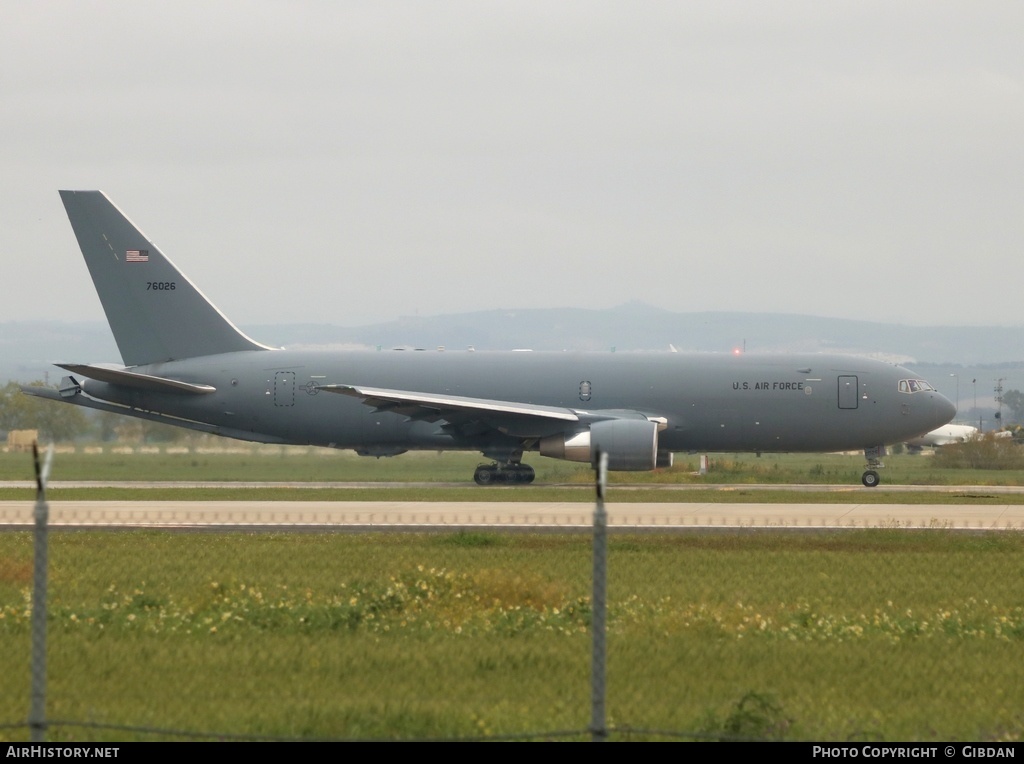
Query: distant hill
point(28, 348)
point(637, 326)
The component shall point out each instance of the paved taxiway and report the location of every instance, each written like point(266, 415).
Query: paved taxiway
point(522, 515)
point(623, 514)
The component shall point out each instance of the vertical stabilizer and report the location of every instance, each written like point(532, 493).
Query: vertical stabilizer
point(154, 311)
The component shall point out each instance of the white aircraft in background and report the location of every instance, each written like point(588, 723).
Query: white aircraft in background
point(952, 433)
point(945, 435)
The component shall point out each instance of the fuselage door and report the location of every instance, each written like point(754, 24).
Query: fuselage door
point(284, 388)
point(848, 392)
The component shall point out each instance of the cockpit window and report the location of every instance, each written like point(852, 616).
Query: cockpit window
point(914, 386)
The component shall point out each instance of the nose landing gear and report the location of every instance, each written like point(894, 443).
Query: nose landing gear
point(874, 455)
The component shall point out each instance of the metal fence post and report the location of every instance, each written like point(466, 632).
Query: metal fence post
point(37, 709)
point(598, 727)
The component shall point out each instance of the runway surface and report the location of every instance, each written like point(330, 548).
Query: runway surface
point(802, 487)
point(383, 515)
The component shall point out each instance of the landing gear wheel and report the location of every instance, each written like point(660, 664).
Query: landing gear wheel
point(486, 474)
point(510, 473)
point(524, 474)
point(870, 479)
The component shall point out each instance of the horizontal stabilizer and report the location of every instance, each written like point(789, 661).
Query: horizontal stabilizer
point(76, 397)
point(117, 376)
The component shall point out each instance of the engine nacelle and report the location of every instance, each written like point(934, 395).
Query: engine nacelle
point(631, 444)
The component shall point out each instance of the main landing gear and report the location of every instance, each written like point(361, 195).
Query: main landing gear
point(510, 472)
point(874, 456)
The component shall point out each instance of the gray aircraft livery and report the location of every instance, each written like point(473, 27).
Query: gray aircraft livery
point(186, 364)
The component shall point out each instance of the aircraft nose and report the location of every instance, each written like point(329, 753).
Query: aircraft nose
point(941, 410)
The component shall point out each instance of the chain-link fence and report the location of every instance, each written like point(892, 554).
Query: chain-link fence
point(222, 624)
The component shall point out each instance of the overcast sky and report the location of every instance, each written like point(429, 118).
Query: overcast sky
point(353, 162)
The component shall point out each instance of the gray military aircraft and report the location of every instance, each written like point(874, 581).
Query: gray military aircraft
point(186, 364)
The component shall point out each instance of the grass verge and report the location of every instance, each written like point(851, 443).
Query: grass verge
point(869, 635)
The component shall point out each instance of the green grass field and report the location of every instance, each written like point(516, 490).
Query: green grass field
point(867, 635)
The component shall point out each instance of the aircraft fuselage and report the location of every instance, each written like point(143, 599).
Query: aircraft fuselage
point(708, 402)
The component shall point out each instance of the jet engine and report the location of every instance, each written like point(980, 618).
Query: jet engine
point(631, 444)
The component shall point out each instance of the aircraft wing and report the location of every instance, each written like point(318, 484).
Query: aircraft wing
point(510, 417)
point(514, 418)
